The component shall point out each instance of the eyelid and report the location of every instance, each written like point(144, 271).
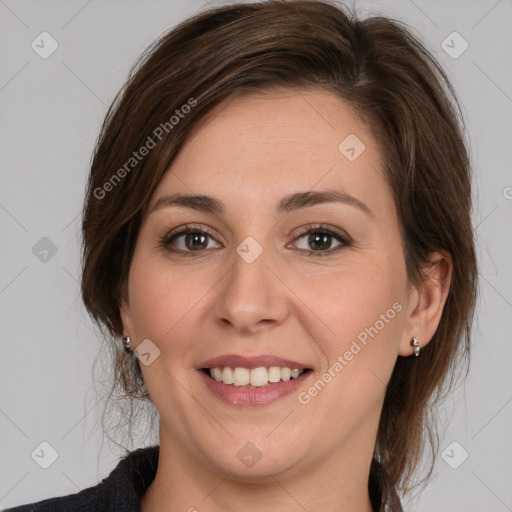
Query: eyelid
point(185, 229)
point(344, 239)
point(323, 228)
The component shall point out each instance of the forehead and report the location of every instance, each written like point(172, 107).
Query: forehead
point(273, 143)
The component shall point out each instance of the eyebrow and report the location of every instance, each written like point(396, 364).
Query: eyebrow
point(288, 204)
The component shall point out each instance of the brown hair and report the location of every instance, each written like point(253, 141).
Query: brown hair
point(385, 73)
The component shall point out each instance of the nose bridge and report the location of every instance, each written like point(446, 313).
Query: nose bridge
point(251, 295)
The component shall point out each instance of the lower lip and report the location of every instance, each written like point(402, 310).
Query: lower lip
point(250, 397)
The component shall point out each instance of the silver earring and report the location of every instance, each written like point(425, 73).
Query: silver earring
point(416, 344)
point(127, 343)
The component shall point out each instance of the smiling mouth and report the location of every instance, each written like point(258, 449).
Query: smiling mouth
point(249, 378)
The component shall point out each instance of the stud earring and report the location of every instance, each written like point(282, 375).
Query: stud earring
point(127, 343)
point(416, 344)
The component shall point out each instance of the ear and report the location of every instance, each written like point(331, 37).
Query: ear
point(426, 302)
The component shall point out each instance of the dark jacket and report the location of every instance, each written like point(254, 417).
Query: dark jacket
point(122, 490)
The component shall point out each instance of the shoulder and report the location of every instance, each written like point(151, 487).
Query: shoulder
point(120, 491)
point(83, 501)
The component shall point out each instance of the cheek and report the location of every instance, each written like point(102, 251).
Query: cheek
point(153, 298)
point(361, 348)
point(166, 303)
point(364, 313)
point(357, 303)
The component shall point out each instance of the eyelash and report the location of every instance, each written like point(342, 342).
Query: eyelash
point(320, 228)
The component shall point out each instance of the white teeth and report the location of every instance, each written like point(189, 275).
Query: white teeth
point(227, 376)
point(255, 377)
point(274, 374)
point(241, 377)
point(285, 374)
point(259, 377)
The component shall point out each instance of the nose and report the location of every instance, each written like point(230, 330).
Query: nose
point(252, 298)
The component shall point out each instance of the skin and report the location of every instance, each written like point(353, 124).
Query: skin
point(255, 150)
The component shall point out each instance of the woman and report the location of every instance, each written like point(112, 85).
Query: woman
point(277, 226)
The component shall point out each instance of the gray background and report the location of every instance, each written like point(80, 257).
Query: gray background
point(51, 113)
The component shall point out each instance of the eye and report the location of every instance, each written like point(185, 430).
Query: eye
point(318, 240)
point(187, 239)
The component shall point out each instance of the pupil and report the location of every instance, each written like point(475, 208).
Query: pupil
point(192, 238)
point(320, 239)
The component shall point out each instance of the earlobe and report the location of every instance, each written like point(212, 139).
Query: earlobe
point(427, 304)
point(416, 346)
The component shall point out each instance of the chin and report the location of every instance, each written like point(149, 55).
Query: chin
point(255, 456)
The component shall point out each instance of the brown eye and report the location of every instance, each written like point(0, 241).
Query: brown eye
point(195, 241)
point(319, 241)
point(188, 240)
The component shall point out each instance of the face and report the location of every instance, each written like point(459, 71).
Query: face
point(293, 262)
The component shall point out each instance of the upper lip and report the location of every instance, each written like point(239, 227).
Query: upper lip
point(235, 360)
